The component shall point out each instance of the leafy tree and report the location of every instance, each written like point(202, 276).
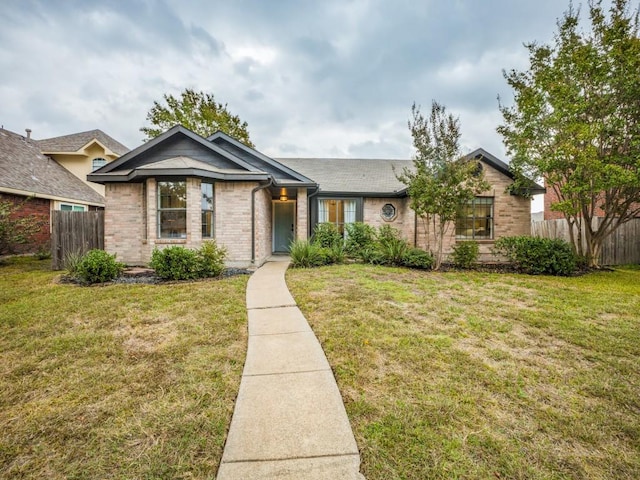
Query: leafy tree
point(16, 230)
point(441, 178)
point(576, 122)
point(197, 111)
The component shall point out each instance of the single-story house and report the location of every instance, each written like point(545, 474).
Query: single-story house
point(182, 189)
point(39, 184)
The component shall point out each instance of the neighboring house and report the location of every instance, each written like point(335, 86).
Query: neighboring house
point(182, 189)
point(82, 153)
point(551, 197)
point(39, 184)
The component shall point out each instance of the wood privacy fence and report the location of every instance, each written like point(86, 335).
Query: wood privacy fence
point(75, 233)
point(619, 248)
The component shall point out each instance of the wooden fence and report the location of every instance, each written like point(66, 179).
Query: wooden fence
point(75, 233)
point(619, 248)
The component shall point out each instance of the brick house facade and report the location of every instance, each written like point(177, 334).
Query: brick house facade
point(156, 196)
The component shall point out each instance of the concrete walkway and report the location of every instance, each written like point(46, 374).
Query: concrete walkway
point(289, 421)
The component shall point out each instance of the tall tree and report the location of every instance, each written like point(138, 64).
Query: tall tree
point(197, 111)
point(441, 179)
point(576, 122)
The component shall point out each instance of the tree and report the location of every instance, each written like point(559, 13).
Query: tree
point(576, 122)
point(197, 111)
point(441, 179)
point(16, 230)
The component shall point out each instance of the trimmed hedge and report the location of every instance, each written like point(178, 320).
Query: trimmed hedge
point(179, 263)
point(96, 266)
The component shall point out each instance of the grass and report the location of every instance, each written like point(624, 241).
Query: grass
point(117, 381)
point(477, 376)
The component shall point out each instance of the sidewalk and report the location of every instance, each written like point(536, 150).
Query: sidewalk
point(289, 421)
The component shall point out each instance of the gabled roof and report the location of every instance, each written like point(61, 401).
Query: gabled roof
point(352, 176)
point(499, 165)
point(372, 177)
point(24, 170)
point(78, 141)
point(181, 152)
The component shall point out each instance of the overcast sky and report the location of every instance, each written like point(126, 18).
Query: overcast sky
point(311, 78)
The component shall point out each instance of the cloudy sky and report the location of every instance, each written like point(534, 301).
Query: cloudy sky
point(311, 78)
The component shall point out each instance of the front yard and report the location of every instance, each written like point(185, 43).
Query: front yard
point(118, 381)
point(479, 376)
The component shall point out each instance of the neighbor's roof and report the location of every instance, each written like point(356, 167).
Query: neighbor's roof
point(24, 170)
point(75, 141)
point(358, 175)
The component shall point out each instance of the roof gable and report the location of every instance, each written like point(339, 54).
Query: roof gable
point(23, 168)
point(78, 142)
point(179, 151)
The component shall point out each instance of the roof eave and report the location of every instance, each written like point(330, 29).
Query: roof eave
point(141, 174)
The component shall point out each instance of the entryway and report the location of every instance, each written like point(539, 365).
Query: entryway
point(284, 225)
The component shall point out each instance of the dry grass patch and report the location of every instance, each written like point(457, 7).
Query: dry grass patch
point(118, 381)
point(478, 375)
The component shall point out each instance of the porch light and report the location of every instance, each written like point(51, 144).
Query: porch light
point(283, 198)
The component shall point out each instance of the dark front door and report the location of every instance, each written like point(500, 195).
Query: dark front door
point(283, 225)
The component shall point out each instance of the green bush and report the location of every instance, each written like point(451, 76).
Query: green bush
point(211, 259)
point(305, 254)
point(465, 254)
point(327, 235)
point(176, 263)
point(360, 236)
point(391, 246)
point(97, 266)
point(535, 256)
point(417, 258)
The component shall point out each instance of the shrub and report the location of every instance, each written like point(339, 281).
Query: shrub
point(176, 263)
point(71, 262)
point(305, 254)
point(97, 266)
point(391, 246)
point(417, 258)
point(327, 235)
point(465, 254)
point(534, 255)
point(360, 236)
point(211, 259)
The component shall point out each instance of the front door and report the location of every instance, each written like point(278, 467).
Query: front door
point(283, 225)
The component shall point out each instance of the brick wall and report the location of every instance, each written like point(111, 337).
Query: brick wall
point(123, 225)
point(511, 216)
point(233, 219)
point(39, 208)
point(404, 220)
point(302, 215)
point(263, 225)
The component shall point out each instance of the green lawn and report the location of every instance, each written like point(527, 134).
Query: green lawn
point(480, 376)
point(118, 381)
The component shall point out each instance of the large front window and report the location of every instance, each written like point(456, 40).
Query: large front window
point(172, 209)
point(338, 212)
point(207, 209)
point(475, 219)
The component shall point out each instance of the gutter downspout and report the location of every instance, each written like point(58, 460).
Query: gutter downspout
point(253, 217)
point(309, 226)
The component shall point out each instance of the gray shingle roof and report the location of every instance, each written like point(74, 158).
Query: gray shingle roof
point(75, 141)
point(351, 175)
point(23, 167)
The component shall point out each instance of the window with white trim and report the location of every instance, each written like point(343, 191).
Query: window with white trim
point(338, 212)
point(475, 219)
point(72, 207)
point(98, 163)
point(172, 209)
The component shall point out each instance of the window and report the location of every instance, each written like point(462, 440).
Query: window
point(70, 207)
point(172, 209)
point(98, 163)
point(338, 212)
point(475, 219)
point(207, 209)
